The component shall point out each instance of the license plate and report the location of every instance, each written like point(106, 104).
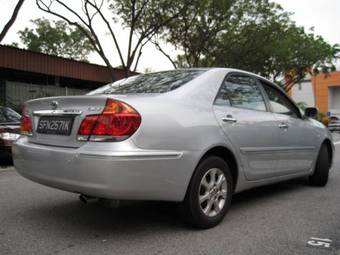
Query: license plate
point(55, 125)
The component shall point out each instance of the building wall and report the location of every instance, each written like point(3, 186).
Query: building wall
point(17, 93)
point(323, 90)
point(334, 100)
point(303, 92)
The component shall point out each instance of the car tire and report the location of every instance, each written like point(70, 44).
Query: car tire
point(321, 172)
point(216, 191)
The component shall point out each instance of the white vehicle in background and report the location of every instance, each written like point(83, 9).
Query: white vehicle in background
point(334, 124)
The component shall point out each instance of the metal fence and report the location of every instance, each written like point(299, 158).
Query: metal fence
point(17, 93)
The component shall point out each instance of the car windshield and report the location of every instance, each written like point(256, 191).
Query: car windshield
point(159, 82)
point(8, 115)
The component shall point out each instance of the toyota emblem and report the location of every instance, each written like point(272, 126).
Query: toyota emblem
point(54, 105)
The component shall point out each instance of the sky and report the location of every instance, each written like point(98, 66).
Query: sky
point(322, 15)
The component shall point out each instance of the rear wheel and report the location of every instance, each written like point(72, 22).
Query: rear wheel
point(209, 194)
point(321, 172)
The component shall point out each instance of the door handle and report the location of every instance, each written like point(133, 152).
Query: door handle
point(283, 125)
point(229, 118)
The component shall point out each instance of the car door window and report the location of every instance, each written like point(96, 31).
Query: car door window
point(241, 91)
point(279, 102)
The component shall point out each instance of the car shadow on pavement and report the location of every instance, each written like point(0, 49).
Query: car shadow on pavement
point(269, 192)
point(97, 222)
point(139, 216)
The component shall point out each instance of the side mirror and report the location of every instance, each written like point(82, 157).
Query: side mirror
point(312, 112)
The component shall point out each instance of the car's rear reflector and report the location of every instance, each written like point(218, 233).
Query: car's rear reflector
point(26, 123)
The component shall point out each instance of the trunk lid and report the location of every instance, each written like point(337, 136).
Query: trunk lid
point(69, 107)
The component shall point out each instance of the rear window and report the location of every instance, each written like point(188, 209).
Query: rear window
point(8, 115)
point(160, 82)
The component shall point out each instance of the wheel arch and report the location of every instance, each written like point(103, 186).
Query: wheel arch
point(329, 146)
point(228, 156)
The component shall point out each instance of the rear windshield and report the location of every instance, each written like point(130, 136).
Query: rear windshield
point(160, 82)
point(8, 115)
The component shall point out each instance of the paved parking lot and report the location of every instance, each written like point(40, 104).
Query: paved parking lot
point(277, 219)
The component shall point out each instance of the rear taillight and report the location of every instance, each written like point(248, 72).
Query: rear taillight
point(26, 123)
point(117, 122)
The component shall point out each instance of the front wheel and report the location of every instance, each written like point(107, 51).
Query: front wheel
point(321, 172)
point(209, 194)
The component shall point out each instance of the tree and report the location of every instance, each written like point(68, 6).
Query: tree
point(56, 38)
point(142, 18)
point(195, 31)
point(308, 54)
point(11, 20)
point(254, 35)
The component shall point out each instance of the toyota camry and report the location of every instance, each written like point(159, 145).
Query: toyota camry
point(193, 136)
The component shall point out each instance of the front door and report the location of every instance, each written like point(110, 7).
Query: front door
point(296, 136)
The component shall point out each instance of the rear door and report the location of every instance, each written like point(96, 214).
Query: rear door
point(243, 115)
point(296, 135)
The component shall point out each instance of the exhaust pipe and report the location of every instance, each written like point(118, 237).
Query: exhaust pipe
point(87, 199)
point(108, 203)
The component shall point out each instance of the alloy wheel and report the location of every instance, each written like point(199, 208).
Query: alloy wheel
point(212, 192)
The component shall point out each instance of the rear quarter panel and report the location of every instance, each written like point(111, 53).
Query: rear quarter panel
point(183, 120)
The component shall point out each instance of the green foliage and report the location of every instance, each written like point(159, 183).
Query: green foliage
point(254, 35)
point(323, 118)
point(142, 19)
point(197, 30)
point(56, 38)
point(145, 18)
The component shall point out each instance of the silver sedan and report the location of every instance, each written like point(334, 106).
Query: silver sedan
point(194, 136)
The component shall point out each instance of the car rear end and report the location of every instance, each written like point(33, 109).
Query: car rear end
point(8, 134)
point(85, 148)
point(92, 145)
point(9, 131)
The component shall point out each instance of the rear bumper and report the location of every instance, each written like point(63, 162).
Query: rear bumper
point(130, 174)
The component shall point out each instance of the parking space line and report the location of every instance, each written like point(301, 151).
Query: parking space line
point(336, 143)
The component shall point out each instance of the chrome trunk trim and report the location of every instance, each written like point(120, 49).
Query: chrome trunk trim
point(57, 113)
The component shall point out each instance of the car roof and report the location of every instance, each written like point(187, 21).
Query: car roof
point(227, 69)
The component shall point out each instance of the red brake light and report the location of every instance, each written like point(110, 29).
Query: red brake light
point(118, 121)
point(87, 125)
point(26, 124)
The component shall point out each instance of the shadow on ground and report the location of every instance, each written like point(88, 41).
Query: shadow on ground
point(139, 216)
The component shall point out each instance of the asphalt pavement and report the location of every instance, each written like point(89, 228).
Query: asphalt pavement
point(285, 218)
